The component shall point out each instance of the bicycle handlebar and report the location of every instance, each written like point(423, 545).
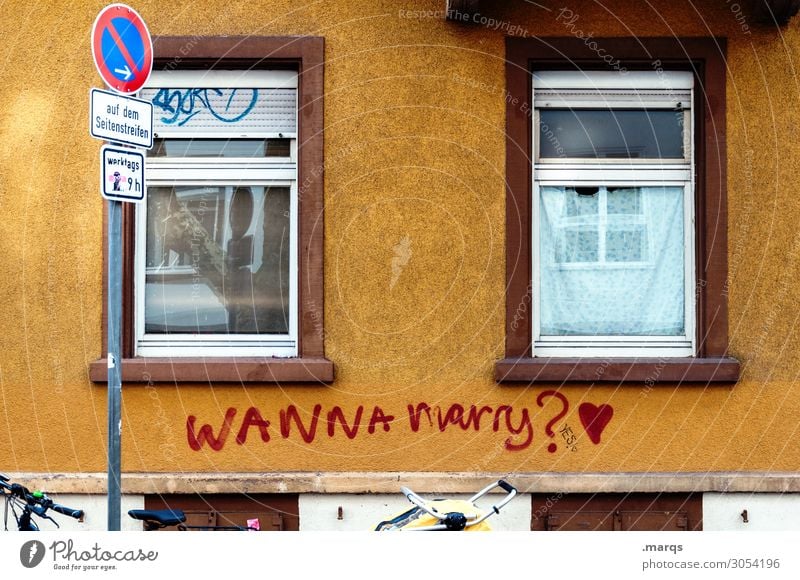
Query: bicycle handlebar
point(506, 487)
point(469, 519)
point(38, 501)
point(67, 511)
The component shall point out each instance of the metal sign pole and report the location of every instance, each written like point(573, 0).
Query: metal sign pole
point(122, 51)
point(114, 362)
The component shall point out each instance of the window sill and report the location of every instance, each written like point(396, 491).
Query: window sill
point(617, 370)
point(218, 370)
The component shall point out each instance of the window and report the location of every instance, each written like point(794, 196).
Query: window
point(216, 258)
point(616, 256)
point(613, 206)
point(222, 270)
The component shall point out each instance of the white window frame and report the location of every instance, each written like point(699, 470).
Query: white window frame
point(653, 90)
point(220, 172)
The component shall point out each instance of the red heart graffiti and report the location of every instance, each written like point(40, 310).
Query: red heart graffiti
point(595, 419)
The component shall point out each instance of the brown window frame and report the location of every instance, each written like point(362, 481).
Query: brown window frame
point(705, 57)
point(306, 55)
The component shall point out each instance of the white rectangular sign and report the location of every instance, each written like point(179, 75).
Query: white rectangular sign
point(122, 174)
point(120, 119)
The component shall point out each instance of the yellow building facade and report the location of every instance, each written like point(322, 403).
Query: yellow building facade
point(409, 322)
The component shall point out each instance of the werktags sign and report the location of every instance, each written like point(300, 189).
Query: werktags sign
point(122, 174)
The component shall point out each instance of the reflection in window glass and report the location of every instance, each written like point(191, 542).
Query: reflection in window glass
point(217, 260)
point(611, 133)
point(247, 148)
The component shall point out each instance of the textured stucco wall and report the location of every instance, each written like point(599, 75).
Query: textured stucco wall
point(414, 148)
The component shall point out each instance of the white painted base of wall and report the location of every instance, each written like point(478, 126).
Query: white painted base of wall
point(765, 512)
point(319, 512)
point(95, 508)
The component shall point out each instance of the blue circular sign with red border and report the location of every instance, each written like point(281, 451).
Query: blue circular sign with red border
point(122, 49)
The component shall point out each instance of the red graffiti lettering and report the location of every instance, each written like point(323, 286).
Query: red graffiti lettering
point(290, 414)
point(336, 414)
point(206, 432)
point(516, 423)
point(454, 415)
point(414, 415)
point(524, 425)
point(252, 418)
point(500, 410)
point(379, 417)
point(474, 417)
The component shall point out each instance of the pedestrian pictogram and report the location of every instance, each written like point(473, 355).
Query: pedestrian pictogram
point(122, 49)
point(122, 175)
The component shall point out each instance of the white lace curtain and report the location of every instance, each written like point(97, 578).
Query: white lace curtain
point(611, 261)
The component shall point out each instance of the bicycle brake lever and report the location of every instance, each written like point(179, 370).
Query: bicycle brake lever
point(41, 511)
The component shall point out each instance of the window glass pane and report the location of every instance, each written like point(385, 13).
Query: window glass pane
point(217, 260)
point(249, 148)
point(614, 273)
point(625, 245)
point(611, 133)
point(580, 245)
point(584, 202)
point(624, 200)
